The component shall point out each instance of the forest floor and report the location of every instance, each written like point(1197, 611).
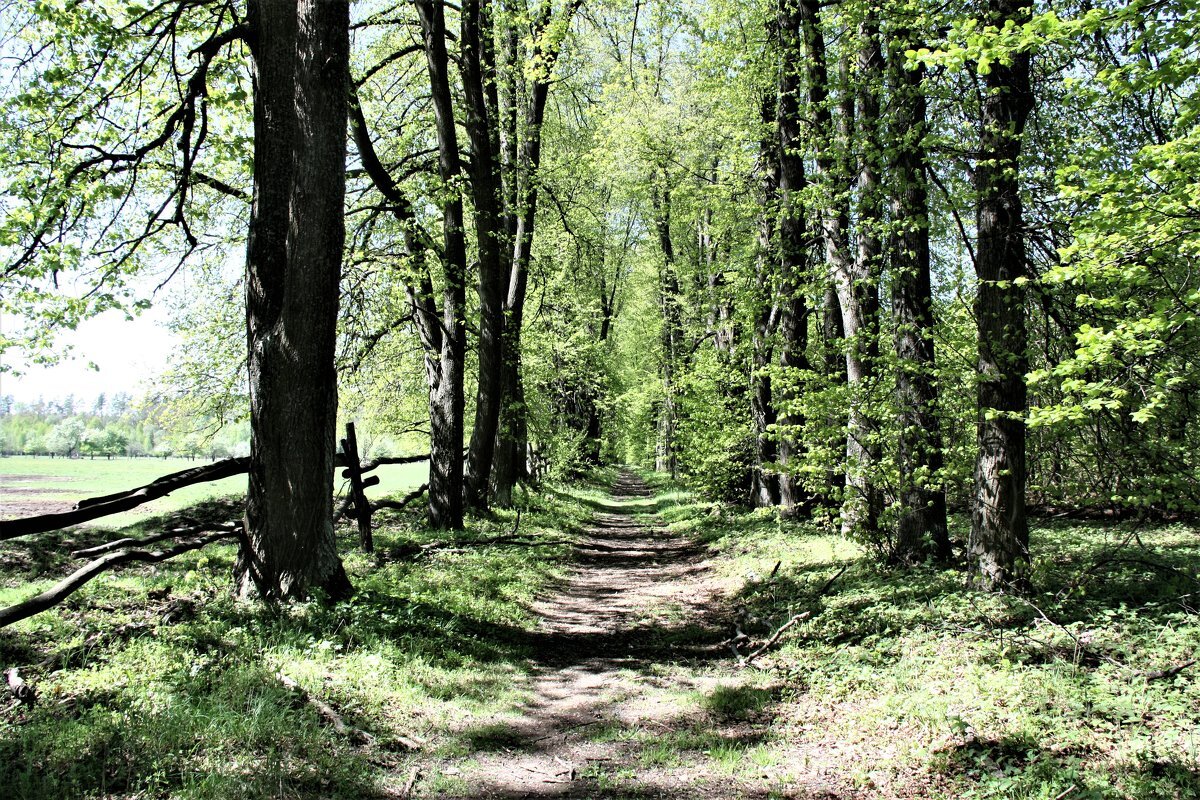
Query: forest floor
point(623, 653)
point(579, 645)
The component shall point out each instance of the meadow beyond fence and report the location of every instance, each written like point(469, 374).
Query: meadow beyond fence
point(187, 537)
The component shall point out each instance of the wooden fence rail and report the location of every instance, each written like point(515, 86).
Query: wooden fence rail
point(123, 551)
point(97, 507)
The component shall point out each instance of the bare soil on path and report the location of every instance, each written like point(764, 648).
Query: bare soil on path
point(630, 694)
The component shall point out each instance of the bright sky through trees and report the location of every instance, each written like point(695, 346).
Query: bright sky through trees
point(107, 354)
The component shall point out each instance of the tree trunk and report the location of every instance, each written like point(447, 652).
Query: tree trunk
point(793, 246)
point(999, 543)
point(293, 265)
point(444, 365)
point(479, 83)
point(857, 297)
point(521, 195)
point(666, 456)
point(764, 486)
point(921, 527)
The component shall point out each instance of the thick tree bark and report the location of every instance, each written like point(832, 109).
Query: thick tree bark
point(445, 338)
point(921, 527)
point(666, 455)
point(477, 64)
point(443, 368)
point(521, 196)
point(764, 479)
point(293, 265)
point(793, 247)
point(856, 292)
point(999, 543)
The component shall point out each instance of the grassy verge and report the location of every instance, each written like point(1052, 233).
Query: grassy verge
point(157, 682)
point(28, 483)
point(906, 682)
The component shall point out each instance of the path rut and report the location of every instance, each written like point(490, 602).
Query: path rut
point(616, 648)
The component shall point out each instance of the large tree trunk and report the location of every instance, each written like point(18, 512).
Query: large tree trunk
point(477, 65)
point(293, 265)
point(444, 366)
point(666, 452)
point(855, 293)
point(793, 246)
point(764, 486)
point(921, 527)
point(999, 543)
point(521, 196)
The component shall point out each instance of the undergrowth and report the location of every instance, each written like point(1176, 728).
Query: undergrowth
point(157, 682)
point(906, 681)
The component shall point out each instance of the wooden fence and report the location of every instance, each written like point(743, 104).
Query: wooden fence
point(121, 551)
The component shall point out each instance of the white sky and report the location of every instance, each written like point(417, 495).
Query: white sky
point(128, 354)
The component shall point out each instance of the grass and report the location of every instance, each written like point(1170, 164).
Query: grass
point(158, 683)
point(953, 693)
point(36, 479)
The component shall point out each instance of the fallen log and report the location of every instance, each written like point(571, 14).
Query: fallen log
point(230, 527)
point(209, 472)
point(399, 505)
point(20, 690)
point(72, 583)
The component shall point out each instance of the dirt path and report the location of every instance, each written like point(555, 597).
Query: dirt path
point(625, 679)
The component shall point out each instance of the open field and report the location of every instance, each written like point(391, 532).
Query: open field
point(36, 485)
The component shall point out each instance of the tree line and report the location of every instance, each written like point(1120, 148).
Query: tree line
point(872, 261)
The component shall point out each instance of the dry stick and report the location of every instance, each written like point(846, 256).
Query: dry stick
point(69, 585)
point(230, 527)
point(398, 505)
point(745, 661)
point(413, 777)
point(326, 712)
point(1169, 672)
point(775, 637)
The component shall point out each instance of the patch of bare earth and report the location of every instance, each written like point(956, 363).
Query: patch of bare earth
point(623, 695)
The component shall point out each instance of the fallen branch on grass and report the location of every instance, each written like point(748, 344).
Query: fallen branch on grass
point(327, 713)
point(769, 643)
point(1169, 672)
point(413, 777)
point(334, 720)
point(399, 505)
point(72, 583)
point(229, 527)
point(740, 636)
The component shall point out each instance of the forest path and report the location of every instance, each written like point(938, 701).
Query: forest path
point(619, 695)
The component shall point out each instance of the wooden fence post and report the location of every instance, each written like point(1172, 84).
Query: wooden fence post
point(353, 471)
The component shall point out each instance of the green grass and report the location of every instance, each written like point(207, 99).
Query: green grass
point(31, 479)
point(952, 693)
point(159, 683)
point(156, 682)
